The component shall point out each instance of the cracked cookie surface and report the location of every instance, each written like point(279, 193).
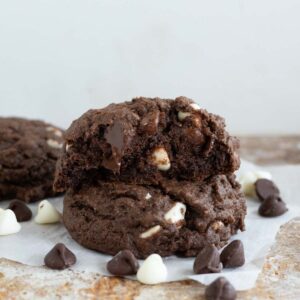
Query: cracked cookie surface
point(167, 219)
point(145, 141)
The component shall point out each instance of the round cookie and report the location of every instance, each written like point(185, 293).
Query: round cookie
point(172, 218)
point(144, 141)
point(29, 150)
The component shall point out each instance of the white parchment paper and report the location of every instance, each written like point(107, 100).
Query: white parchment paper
point(30, 245)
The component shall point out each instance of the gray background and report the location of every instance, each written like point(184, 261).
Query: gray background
point(237, 58)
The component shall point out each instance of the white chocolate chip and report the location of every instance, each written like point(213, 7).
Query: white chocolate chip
point(150, 232)
point(50, 128)
point(176, 213)
point(182, 115)
point(8, 222)
point(148, 196)
point(54, 144)
point(153, 270)
point(56, 131)
point(195, 106)
point(248, 180)
point(217, 225)
point(161, 159)
point(47, 213)
point(263, 175)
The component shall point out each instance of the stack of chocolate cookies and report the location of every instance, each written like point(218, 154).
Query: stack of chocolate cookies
point(151, 176)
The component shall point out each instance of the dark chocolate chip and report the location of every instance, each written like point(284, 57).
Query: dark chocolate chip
point(265, 188)
point(124, 263)
point(272, 207)
point(233, 255)
point(60, 257)
point(220, 289)
point(194, 136)
point(21, 210)
point(115, 136)
point(208, 261)
point(149, 123)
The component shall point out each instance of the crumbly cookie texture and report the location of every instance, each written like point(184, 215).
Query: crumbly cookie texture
point(29, 150)
point(144, 141)
point(178, 219)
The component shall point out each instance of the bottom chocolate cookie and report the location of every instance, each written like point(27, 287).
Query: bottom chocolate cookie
point(174, 218)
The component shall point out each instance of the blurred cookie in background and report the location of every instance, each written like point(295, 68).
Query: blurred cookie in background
point(29, 150)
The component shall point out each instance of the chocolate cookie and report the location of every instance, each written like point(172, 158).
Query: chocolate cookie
point(172, 218)
point(144, 141)
point(28, 154)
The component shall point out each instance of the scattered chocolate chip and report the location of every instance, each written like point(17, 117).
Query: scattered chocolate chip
point(124, 263)
point(220, 289)
point(233, 255)
point(273, 206)
point(21, 210)
point(208, 261)
point(265, 188)
point(60, 257)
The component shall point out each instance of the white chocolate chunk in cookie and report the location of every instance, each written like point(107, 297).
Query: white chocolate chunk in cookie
point(182, 115)
point(176, 213)
point(217, 225)
point(148, 196)
point(153, 230)
point(68, 146)
point(56, 131)
point(54, 144)
point(161, 159)
point(195, 106)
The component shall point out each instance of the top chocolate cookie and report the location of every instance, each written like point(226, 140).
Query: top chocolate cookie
point(145, 140)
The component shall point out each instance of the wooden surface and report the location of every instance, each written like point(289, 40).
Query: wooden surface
point(267, 150)
point(279, 279)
